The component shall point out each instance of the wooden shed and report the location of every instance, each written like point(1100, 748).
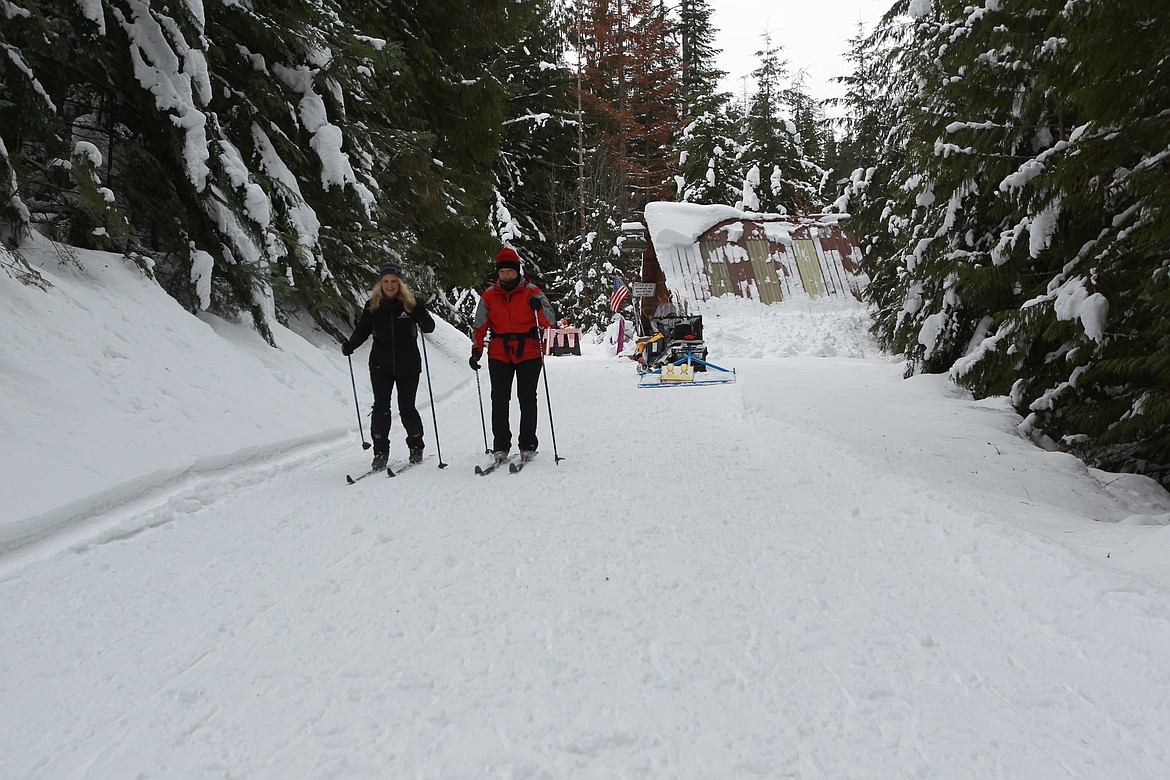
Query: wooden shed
point(697, 252)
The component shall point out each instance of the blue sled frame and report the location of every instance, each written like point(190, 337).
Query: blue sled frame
point(690, 360)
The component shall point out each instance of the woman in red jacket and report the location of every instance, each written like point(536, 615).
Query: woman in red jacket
point(512, 309)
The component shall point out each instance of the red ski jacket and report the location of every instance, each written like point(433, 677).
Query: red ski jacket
point(512, 321)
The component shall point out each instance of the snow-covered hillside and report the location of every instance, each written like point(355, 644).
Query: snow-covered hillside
point(110, 390)
point(821, 571)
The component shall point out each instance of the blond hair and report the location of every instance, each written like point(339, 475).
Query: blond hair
point(404, 294)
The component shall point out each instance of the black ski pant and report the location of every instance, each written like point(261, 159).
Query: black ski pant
point(383, 385)
point(526, 374)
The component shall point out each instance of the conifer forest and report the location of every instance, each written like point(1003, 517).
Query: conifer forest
point(1004, 164)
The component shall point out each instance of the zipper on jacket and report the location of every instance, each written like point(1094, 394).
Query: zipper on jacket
point(393, 344)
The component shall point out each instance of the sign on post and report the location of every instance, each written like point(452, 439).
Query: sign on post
point(642, 289)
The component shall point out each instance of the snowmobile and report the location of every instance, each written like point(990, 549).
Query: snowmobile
point(674, 352)
point(674, 336)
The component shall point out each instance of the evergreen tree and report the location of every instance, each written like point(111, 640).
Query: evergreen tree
point(813, 137)
point(223, 214)
point(655, 100)
point(591, 257)
point(306, 149)
point(1027, 240)
point(879, 95)
point(1085, 355)
point(536, 207)
point(292, 147)
point(630, 91)
point(601, 40)
point(700, 75)
point(777, 177)
point(708, 145)
point(453, 92)
point(869, 107)
point(708, 158)
point(37, 105)
point(962, 138)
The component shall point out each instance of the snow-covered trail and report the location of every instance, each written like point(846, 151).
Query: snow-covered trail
point(738, 581)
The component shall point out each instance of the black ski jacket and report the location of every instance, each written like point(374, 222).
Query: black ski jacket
point(395, 332)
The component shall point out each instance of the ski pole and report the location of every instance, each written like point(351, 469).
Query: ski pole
point(356, 408)
point(434, 419)
point(548, 399)
point(482, 421)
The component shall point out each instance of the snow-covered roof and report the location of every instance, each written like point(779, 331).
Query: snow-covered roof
point(680, 224)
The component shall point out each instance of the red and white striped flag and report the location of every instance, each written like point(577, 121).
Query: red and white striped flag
point(619, 294)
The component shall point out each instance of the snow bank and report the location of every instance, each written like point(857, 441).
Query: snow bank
point(799, 327)
point(108, 386)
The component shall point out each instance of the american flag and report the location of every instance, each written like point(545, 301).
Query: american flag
point(618, 296)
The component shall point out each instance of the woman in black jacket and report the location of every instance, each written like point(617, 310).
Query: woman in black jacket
point(393, 316)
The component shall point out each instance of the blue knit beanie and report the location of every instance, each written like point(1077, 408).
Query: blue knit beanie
point(391, 269)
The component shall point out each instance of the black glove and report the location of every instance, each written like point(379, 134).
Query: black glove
point(347, 348)
point(473, 361)
point(535, 304)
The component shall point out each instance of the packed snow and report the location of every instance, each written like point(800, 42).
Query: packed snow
point(823, 570)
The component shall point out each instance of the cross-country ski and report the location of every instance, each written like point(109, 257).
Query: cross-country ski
point(401, 468)
point(352, 480)
point(517, 466)
point(487, 468)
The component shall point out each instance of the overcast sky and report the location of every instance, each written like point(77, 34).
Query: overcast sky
point(812, 34)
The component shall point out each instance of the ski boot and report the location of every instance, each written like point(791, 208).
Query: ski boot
point(381, 451)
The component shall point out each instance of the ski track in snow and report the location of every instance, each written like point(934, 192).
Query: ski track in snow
point(716, 582)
